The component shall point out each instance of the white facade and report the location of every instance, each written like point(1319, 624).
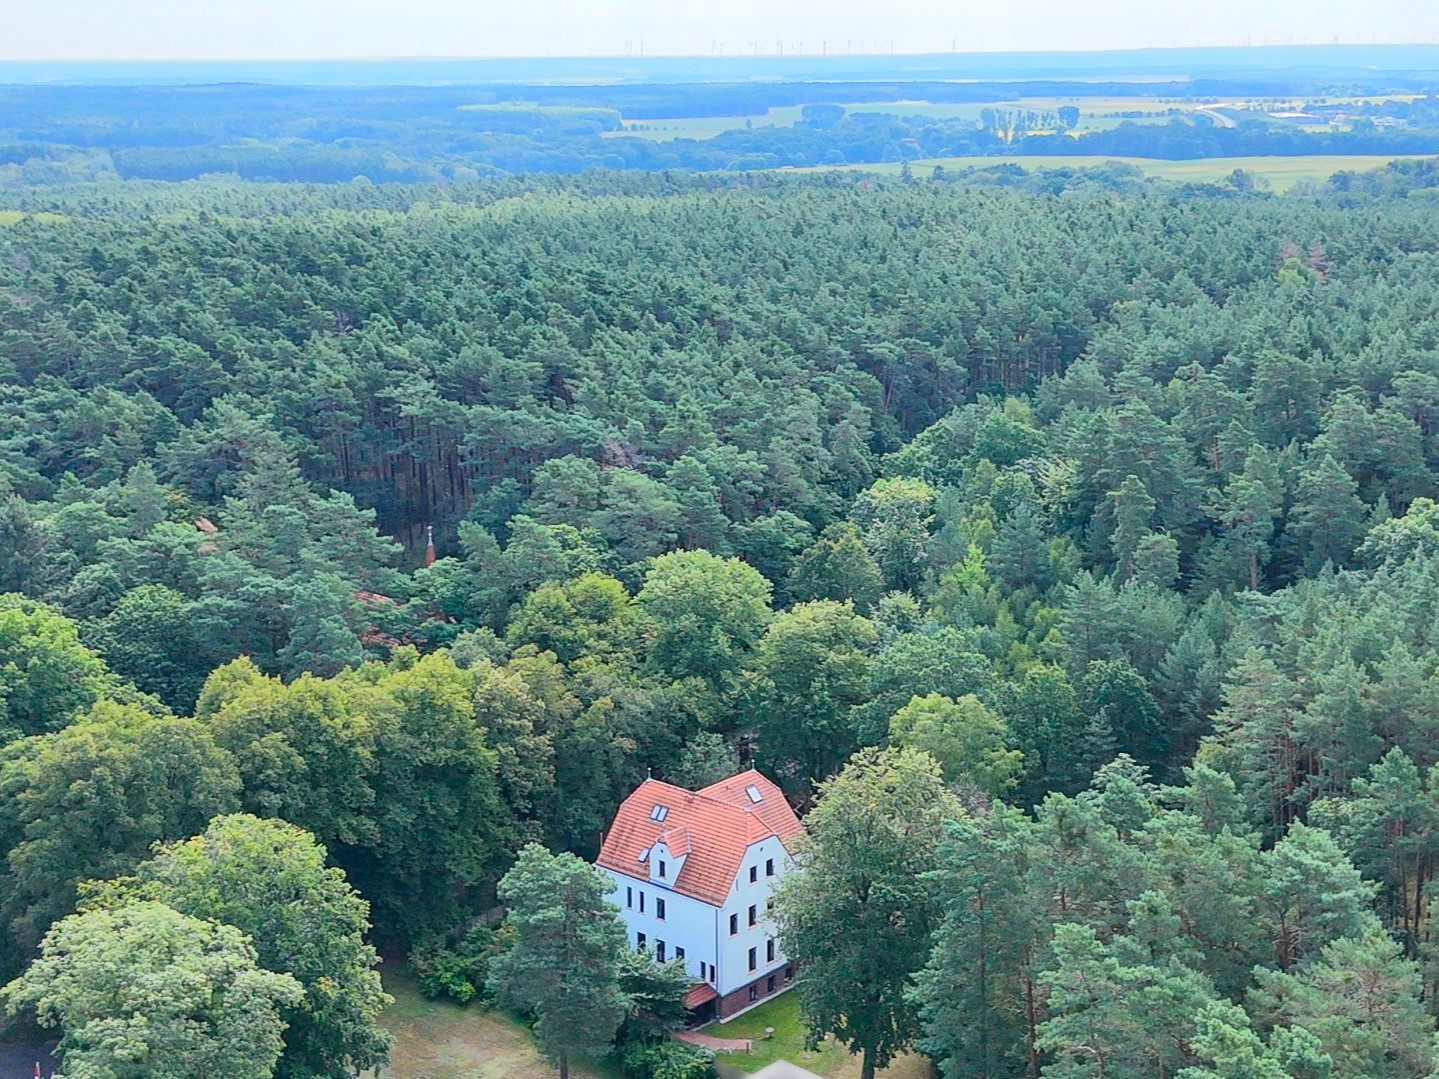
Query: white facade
point(712, 954)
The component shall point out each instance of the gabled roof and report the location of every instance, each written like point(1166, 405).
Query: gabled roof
point(770, 808)
point(712, 827)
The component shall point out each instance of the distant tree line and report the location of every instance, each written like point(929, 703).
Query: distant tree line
point(67, 134)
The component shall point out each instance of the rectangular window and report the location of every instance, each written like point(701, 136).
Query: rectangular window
point(662, 869)
point(753, 915)
point(659, 908)
point(769, 905)
point(753, 958)
point(642, 902)
point(753, 873)
point(769, 984)
point(769, 867)
point(712, 973)
point(733, 924)
point(753, 993)
point(769, 951)
point(679, 953)
point(788, 974)
point(640, 941)
point(659, 950)
point(629, 897)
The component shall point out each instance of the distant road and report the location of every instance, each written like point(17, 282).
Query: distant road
point(1219, 118)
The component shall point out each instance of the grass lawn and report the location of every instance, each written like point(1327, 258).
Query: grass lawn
point(830, 1060)
point(440, 1040)
point(1282, 173)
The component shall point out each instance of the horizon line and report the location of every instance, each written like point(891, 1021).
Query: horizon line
point(877, 54)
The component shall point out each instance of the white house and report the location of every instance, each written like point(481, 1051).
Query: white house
point(694, 872)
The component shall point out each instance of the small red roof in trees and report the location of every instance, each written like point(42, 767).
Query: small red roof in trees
point(713, 827)
point(700, 994)
point(205, 525)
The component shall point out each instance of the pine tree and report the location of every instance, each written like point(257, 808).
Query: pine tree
point(973, 991)
point(1328, 518)
point(564, 959)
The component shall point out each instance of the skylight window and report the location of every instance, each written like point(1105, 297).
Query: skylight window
point(659, 813)
point(754, 794)
point(643, 855)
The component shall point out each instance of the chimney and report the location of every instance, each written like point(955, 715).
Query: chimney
point(429, 545)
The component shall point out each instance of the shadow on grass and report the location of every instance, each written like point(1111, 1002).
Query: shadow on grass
point(438, 1039)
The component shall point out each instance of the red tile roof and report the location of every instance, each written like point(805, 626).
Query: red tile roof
point(772, 807)
point(713, 826)
point(700, 994)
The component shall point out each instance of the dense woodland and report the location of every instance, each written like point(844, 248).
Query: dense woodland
point(1100, 519)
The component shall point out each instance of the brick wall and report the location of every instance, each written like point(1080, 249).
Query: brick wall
point(732, 1003)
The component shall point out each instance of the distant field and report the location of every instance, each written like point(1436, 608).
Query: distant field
point(1282, 173)
point(706, 127)
point(559, 112)
point(1093, 114)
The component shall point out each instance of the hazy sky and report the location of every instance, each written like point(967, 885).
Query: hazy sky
point(274, 29)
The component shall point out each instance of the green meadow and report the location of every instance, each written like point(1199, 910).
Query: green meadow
point(1280, 173)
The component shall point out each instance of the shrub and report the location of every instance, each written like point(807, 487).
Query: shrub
point(454, 965)
point(667, 1059)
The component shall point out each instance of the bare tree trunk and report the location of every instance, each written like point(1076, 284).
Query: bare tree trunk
point(564, 1067)
point(867, 1070)
point(1031, 1028)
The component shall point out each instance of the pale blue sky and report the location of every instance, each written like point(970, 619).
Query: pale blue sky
point(304, 29)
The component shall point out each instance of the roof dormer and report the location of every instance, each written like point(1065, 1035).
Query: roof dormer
point(667, 858)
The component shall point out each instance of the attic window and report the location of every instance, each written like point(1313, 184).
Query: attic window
point(643, 855)
point(754, 794)
point(659, 813)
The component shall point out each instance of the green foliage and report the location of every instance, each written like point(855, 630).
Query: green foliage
point(808, 672)
point(1132, 486)
point(455, 966)
point(47, 676)
point(707, 758)
point(564, 953)
point(1361, 1001)
point(967, 991)
point(89, 801)
point(836, 566)
point(1114, 1013)
point(589, 617)
point(149, 639)
point(656, 995)
point(894, 517)
point(146, 991)
point(268, 880)
point(667, 1060)
point(965, 737)
point(876, 828)
point(707, 613)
